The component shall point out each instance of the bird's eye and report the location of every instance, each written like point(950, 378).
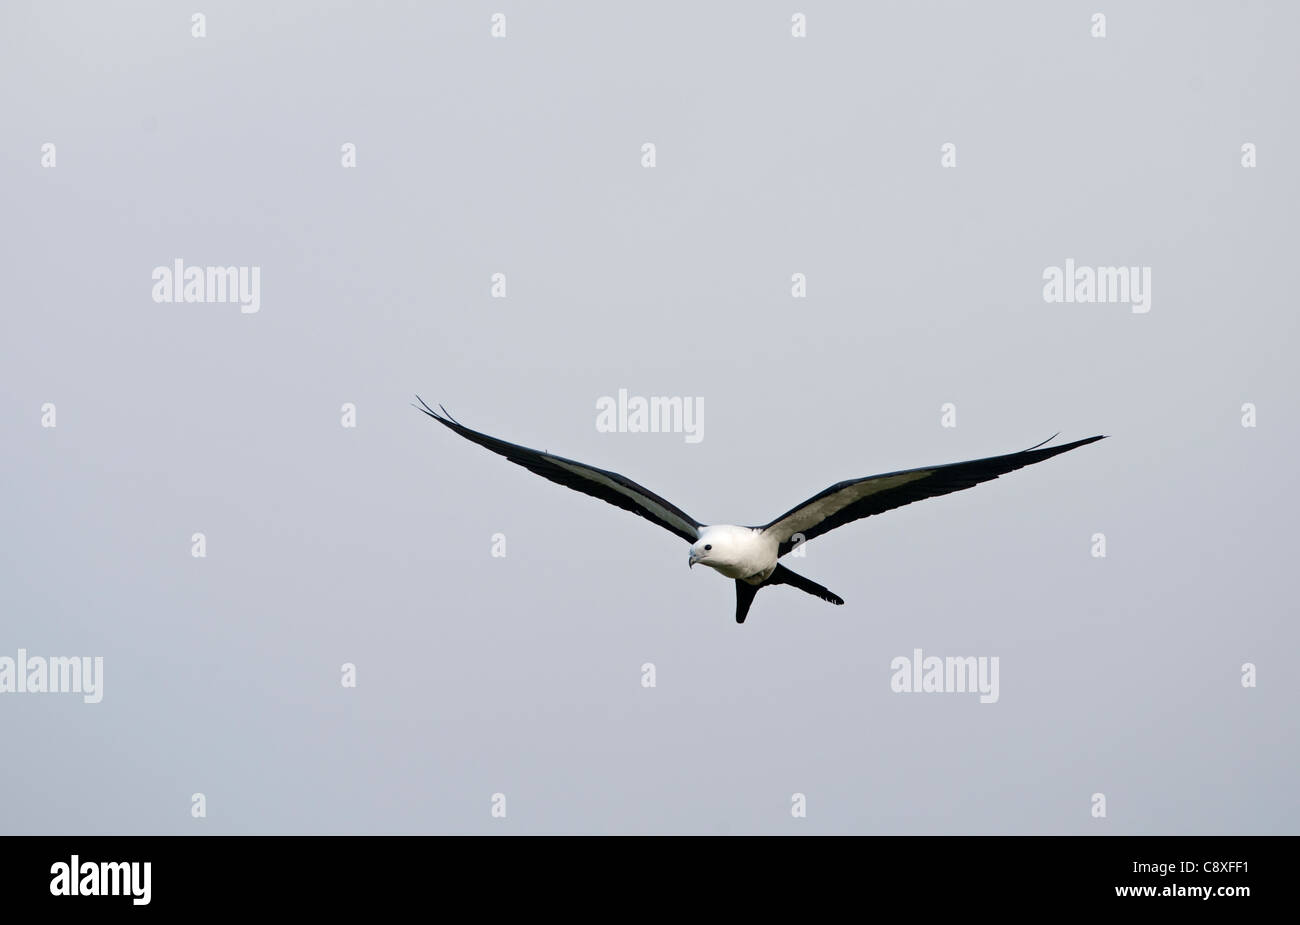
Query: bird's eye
point(707, 547)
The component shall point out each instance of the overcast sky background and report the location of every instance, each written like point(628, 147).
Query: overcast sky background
point(521, 675)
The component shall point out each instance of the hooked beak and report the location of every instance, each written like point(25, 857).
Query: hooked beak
point(691, 562)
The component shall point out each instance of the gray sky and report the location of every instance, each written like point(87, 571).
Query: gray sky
point(522, 675)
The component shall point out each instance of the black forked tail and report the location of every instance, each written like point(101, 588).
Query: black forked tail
point(745, 592)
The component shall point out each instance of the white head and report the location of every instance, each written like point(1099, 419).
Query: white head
point(721, 547)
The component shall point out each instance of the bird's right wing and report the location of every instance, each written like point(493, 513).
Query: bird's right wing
point(599, 483)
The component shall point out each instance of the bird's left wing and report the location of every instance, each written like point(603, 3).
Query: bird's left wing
point(848, 501)
point(599, 483)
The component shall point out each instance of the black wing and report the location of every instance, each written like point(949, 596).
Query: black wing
point(857, 498)
point(599, 483)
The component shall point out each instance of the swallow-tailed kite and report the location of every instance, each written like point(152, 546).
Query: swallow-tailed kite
point(750, 554)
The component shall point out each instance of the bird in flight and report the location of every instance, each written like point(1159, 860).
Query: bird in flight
point(750, 554)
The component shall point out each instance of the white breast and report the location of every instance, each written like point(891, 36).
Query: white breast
point(749, 552)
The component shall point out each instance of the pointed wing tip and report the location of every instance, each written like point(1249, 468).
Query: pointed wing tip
point(444, 418)
point(1084, 442)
